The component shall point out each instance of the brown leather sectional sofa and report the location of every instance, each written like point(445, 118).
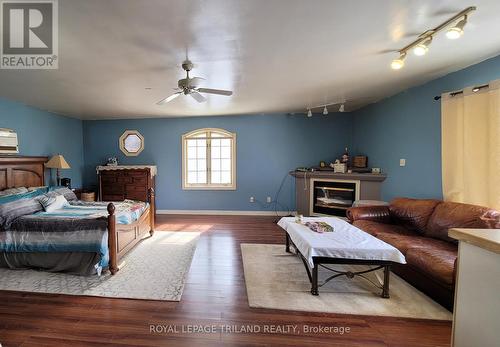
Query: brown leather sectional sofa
point(419, 229)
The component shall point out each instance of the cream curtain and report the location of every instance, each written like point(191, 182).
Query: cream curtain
point(470, 127)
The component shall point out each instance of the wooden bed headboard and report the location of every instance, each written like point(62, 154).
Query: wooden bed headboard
point(22, 171)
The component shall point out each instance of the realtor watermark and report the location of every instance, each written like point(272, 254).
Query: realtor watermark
point(283, 329)
point(30, 34)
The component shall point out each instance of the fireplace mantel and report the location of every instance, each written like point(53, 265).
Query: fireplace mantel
point(367, 186)
point(346, 176)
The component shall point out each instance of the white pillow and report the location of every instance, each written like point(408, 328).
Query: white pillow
point(56, 203)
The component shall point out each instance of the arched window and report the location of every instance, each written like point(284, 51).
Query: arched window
point(209, 159)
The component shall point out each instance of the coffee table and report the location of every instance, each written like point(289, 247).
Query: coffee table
point(345, 245)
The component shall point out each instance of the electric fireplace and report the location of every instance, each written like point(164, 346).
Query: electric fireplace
point(330, 197)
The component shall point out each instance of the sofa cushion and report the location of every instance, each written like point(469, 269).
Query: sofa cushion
point(412, 214)
point(374, 228)
point(436, 262)
point(373, 213)
point(455, 215)
point(406, 242)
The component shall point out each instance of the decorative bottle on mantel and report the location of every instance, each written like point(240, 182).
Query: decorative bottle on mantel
point(345, 158)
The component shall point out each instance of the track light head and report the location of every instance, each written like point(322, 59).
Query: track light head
point(400, 62)
point(309, 113)
point(342, 108)
point(423, 47)
point(457, 30)
point(325, 111)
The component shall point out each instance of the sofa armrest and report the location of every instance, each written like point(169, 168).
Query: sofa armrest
point(374, 213)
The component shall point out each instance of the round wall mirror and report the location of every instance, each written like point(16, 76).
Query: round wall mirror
point(131, 143)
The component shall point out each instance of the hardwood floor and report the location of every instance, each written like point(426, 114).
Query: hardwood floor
point(215, 294)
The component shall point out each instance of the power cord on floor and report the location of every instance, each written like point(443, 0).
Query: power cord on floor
point(275, 204)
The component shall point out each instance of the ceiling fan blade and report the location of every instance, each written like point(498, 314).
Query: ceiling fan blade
point(198, 97)
point(168, 98)
point(215, 91)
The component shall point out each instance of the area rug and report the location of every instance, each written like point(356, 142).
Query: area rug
point(278, 280)
point(154, 270)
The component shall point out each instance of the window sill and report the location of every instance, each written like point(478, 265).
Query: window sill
point(209, 188)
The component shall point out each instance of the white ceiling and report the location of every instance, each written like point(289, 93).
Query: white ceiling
point(276, 55)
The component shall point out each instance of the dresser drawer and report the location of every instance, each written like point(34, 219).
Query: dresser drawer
point(136, 187)
point(142, 196)
point(113, 197)
point(124, 179)
point(140, 181)
point(108, 179)
point(112, 189)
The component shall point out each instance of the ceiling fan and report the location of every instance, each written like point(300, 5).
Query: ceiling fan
point(190, 86)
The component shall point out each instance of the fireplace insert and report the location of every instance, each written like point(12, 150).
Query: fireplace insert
point(333, 197)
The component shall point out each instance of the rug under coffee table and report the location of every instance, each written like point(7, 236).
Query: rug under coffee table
point(346, 244)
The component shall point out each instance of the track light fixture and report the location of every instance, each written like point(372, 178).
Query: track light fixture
point(457, 30)
point(339, 107)
point(421, 45)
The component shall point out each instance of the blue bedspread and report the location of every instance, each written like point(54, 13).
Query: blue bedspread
point(77, 227)
point(126, 212)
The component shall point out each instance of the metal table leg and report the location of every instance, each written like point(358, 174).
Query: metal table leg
point(385, 289)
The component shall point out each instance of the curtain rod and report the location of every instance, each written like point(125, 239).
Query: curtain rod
point(474, 89)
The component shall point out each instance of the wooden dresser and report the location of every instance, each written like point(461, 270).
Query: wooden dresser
point(117, 183)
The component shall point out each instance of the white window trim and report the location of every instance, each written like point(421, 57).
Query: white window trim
point(208, 186)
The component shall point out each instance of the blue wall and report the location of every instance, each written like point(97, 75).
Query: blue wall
point(408, 125)
point(44, 133)
point(268, 146)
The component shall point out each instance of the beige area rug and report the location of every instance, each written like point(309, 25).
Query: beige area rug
point(278, 280)
point(155, 269)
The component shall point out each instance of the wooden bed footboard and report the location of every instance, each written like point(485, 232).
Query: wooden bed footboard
point(123, 237)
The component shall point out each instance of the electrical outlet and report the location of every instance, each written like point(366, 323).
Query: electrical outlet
point(402, 162)
point(252, 199)
point(269, 200)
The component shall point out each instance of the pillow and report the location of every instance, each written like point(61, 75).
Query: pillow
point(30, 189)
point(13, 191)
point(52, 203)
point(26, 195)
point(14, 209)
point(47, 200)
point(68, 193)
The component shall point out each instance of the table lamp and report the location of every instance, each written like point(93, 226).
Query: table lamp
point(57, 162)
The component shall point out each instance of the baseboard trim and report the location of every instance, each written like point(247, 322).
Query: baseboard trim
point(227, 212)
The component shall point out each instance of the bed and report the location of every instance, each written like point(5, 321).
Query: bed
point(82, 238)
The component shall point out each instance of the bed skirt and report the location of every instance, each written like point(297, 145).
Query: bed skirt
point(78, 263)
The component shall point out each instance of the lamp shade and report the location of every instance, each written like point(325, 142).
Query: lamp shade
point(57, 162)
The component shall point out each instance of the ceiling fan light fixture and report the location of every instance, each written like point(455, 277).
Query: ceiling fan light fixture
point(423, 47)
point(400, 62)
point(456, 31)
point(309, 113)
point(191, 86)
point(325, 111)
